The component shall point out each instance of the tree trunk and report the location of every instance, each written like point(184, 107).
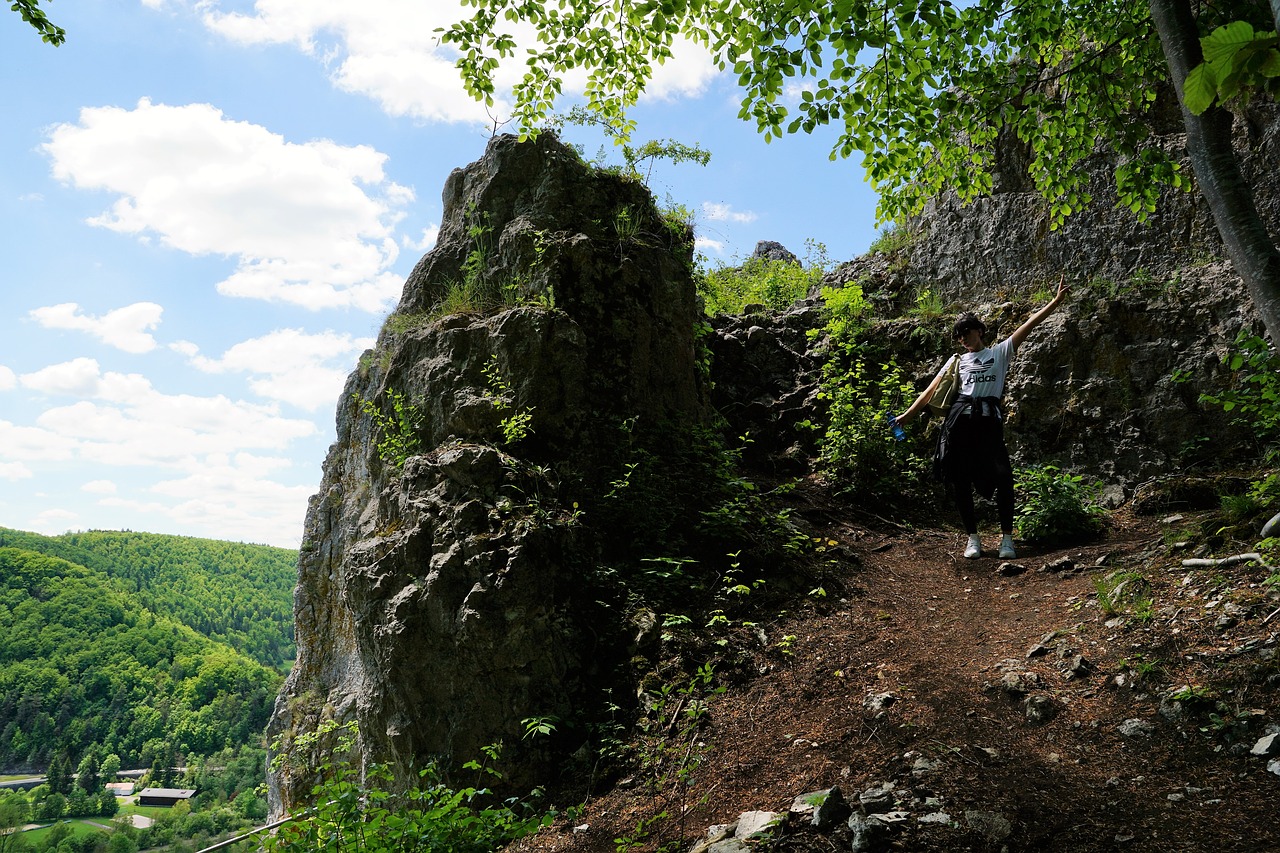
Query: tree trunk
point(1252, 251)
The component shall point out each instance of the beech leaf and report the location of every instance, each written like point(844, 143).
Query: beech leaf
point(1199, 89)
point(1226, 41)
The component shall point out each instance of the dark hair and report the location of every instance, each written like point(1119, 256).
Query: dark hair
point(967, 321)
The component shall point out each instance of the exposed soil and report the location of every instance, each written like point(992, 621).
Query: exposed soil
point(918, 672)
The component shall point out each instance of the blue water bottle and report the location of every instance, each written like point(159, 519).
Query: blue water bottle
point(896, 428)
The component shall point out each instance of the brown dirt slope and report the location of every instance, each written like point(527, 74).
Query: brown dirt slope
point(920, 672)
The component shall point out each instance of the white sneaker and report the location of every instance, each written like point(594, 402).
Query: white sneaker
point(1007, 551)
point(974, 548)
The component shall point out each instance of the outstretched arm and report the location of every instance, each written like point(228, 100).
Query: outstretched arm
point(1020, 334)
point(918, 406)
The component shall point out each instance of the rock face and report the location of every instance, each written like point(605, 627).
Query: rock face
point(765, 372)
point(1094, 389)
point(772, 251)
point(444, 592)
point(440, 595)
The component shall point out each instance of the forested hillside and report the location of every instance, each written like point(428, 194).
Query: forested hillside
point(235, 593)
point(85, 665)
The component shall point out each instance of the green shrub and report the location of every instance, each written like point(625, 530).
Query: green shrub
point(846, 313)
point(928, 304)
point(398, 431)
point(1238, 509)
point(677, 502)
point(477, 292)
point(674, 487)
point(774, 284)
point(857, 451)
point(1055, 506)
point(357, 811)
point(678, 220)
point(398, 323)
point(469, 296)
point(662, 149)
point(1255, 399)
point(891, 240)
point(516, 425)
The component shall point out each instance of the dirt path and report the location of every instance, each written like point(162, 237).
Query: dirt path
point(919, 672)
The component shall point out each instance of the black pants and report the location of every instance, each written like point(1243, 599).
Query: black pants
point(977, 460)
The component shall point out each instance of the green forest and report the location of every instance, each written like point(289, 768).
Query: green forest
point(156, 649)
point(234, 593)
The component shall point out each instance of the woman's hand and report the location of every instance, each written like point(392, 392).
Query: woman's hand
point(1020, 334)
point(1064, 288)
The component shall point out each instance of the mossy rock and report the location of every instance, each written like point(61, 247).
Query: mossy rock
point(1186, 493)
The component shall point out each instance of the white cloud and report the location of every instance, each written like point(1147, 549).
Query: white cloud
point(717, 212)
point(793, 92)
point(14, 471)
point(79, 376)
point(685, 75)
point(703, 244)
point(82, 377)
point(21, 444)
point(388, 50)
point(429, 236)
point(172, 431)
point(120, 419)
point(231, 492)
point(289, 365)
point(221, 463)
point(8, 380)
point(124, 328)
point(310, 224)
point(52, 522)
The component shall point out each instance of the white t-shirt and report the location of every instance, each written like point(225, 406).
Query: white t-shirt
point(982, 373)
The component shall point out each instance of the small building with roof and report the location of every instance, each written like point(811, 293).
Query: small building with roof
point(164, 796)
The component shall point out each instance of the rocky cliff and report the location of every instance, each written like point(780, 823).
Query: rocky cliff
point(441, 594)
point(447, 590)
point(1108, 386)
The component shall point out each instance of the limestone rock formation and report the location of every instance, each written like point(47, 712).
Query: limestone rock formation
point(1108, 386)
point(440, 598)
point(444, 593)
point(770, 250)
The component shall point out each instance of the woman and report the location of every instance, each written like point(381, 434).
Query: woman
point(971, 451)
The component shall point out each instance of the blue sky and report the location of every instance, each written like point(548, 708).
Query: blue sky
point(209, 207)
